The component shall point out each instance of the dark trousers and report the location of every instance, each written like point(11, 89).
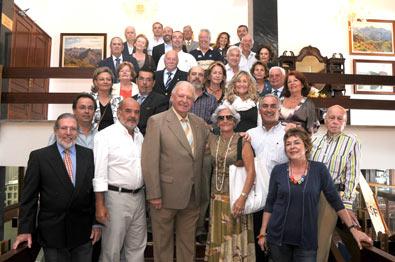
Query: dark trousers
point(81, 253)
point(290, 253)
point(259, 254)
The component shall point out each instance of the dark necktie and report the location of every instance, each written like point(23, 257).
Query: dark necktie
point(168, 80)
point(117, 62)
point(275, 92)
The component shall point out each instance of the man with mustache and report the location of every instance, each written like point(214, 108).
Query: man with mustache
point(59, 177)
point(118, 183)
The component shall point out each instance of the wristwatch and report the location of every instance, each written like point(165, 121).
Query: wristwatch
point(243, 194)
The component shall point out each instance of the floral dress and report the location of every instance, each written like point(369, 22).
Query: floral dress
point(229, 238)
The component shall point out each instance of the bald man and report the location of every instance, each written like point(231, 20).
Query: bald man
point(128, 45)
point(340, 152)
point(247, 58)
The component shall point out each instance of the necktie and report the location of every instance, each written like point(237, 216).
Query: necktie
point(275, 92)
point(168, 80)
point(140, 99)
point(117, 62)
point(188, 132)
point(68, 164)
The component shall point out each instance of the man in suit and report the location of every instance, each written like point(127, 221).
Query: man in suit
point(128, 45)
point(277, 80)
point(161, 49)
point(59, 178)
point(172, 159)
point(188, 39)
point(151, 103)
point(116, 58)
point(166, 79)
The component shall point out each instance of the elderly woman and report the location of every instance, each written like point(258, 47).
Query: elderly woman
point(295, 106)
point(230, 236)
point(107, 104)
point(125, 87)
point(242, 95)
point(143, 59)
point(294, 192)
point(265, 54)
point(260, 72)
point(222, 43)
point(216, 80)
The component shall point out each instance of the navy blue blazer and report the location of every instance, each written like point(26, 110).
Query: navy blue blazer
point(159, 86)
point(109, 62)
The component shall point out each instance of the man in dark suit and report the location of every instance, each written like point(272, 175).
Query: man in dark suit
point(128, 45)
point(161, 49)
point(151, 103)
point(276, 78)
point(166, 79)
point(116, 58)
point(59, 178)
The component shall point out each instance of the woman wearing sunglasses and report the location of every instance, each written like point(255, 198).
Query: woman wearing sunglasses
point(231, 235)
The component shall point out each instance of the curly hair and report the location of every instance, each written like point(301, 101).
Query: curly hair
point(231, 88)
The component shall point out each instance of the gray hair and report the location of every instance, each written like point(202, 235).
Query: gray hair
point(64, 116)
point(181, 84)
point(276, 68)
point(205, 31)
point(224, 106)
point(269, 95)
point(231, 48)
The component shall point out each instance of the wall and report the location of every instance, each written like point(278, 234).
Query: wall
point(325, 27)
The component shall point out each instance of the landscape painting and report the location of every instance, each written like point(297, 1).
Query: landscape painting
point(82, 50)
point(372, 37)
point(374, 68)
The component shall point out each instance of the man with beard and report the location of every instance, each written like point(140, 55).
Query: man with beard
point(118, 183)
point(59, 177)
point(204, 106)
point(161, 49)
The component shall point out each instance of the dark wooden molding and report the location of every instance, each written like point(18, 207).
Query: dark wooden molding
point(49, 72)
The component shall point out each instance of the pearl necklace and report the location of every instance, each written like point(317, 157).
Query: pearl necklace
point(222, 178)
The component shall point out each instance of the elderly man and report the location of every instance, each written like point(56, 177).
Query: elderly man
point(161, 49)
point(204, 54)
point(247, 58)
point(84, 107)
point(151, 103)
point(188, 38)
point(157, 30)
point(185, 60)
point(233, 66)
point(267, 141)
point(277, 77)
point(172, 159)
point(116, 58)
point(340, 152)
point(59, 178)
point(118, 183)
point(128, 45)
point(167, 78)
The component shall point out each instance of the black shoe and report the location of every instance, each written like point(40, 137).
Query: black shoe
point(201, 239)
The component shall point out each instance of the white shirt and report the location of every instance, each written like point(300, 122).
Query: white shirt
point(269, 144)
point(230, 73)
point(117, 158)
point(185, 62)
point(247, 62)
point(114, 60)
point(154, 42)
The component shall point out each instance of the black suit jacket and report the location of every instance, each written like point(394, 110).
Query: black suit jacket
point(159, 86)
point(66, 213)
point(157, 52)
point(152, 105)
point(109, 62)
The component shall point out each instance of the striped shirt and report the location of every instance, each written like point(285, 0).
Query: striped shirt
point(341, 155)
point(204, 106)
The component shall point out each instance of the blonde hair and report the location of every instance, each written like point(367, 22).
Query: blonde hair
point(231, 88)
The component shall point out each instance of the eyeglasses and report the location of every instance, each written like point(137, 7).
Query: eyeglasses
point(227, 117)
point(66, 128)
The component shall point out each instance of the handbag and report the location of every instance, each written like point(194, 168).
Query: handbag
point(256, 198)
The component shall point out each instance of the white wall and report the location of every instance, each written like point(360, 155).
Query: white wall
point(320, 23)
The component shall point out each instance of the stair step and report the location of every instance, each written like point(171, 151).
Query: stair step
point(149, 252)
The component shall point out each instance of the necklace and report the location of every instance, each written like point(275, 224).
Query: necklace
point(219, 180)
point(297, 181)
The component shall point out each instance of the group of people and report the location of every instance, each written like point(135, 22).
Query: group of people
point(157, 135)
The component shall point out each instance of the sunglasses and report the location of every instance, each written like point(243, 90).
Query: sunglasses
point(227, 117)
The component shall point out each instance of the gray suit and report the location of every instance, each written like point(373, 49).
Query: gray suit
point(191, 46)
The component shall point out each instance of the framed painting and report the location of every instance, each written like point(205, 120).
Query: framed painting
point(82, 49)
point(372, 37)
point(373, 67)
